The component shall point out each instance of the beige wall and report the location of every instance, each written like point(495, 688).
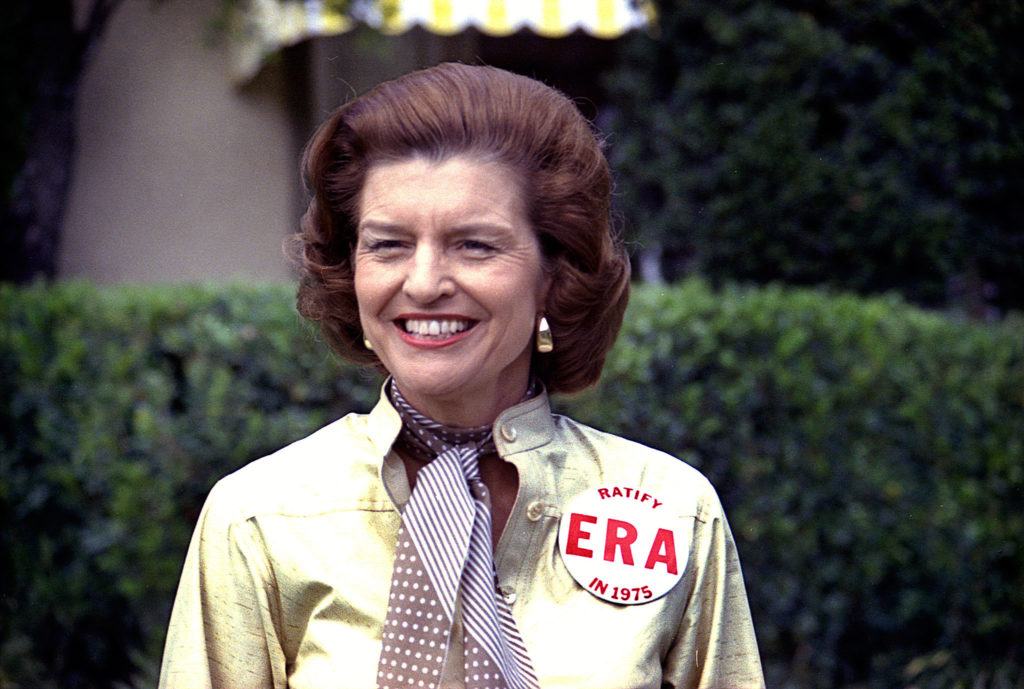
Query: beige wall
point(180, 175)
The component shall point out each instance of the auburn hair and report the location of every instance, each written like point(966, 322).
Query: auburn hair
point(487, 113)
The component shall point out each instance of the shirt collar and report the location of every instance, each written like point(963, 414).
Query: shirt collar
point(522, 427)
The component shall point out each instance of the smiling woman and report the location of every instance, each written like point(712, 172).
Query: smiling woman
point(460, 534)
point(441, 247)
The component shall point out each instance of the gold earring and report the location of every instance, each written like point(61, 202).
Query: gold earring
point(545, 343)
point(366, 343)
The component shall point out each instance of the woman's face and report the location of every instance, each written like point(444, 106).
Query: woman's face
point(449, 282)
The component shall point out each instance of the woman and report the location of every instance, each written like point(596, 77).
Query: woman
point(460, 534)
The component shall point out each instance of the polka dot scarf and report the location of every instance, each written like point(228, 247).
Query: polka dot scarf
point(443, 555)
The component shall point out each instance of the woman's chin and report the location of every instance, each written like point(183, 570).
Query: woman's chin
point(429, 388)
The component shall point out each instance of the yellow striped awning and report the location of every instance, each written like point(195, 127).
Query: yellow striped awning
point(552, 18)
point(268, 25)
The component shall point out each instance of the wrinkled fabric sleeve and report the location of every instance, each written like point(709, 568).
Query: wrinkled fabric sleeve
point(715, 647)
point(224, 629)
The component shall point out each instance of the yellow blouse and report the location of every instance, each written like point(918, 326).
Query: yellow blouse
point(287, 577)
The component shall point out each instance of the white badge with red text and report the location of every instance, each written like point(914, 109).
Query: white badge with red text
point(623, 544)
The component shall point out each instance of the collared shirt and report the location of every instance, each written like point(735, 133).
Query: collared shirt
point(287, 578)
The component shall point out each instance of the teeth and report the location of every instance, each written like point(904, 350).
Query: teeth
point(434, 328)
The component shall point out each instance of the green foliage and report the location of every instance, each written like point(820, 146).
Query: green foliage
point(120, 410)
point(870, 456)
point(869, 146)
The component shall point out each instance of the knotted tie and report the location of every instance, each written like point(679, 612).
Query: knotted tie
point(444, 555)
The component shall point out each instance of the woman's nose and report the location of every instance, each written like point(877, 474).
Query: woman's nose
point(428, 277)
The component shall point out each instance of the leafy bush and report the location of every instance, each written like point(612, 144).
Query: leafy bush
point(121, 408)
point(870, 456)
point(869, 146)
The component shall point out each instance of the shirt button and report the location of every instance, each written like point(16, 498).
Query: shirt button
point(535, 511)
point(508, 432)
point(509, 595)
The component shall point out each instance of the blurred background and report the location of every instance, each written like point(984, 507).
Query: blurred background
point(822, 202)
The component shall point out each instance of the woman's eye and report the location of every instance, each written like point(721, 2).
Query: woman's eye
point(384, 245)
point(478, 247)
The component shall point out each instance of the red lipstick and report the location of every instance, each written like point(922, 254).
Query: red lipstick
point(432, 341)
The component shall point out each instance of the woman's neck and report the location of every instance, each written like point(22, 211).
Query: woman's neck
point(467, 411)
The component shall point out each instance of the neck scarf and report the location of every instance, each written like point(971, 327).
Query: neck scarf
point(443, 557)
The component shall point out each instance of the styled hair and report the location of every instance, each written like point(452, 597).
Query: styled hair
point(493, 115)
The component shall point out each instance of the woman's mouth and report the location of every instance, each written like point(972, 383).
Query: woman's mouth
point(434, 330)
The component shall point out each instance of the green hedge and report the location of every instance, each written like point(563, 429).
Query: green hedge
point(870, 456)
point(873, 146)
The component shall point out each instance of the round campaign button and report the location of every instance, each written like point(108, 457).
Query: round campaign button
point(623, 544)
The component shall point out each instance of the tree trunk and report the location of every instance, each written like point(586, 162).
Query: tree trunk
point(40, 192)
point(55, 59)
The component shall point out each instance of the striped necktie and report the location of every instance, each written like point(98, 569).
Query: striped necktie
point(444, 564)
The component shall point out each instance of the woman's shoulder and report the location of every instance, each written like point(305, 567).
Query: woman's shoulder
point(334, 468)
point(618, 462)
